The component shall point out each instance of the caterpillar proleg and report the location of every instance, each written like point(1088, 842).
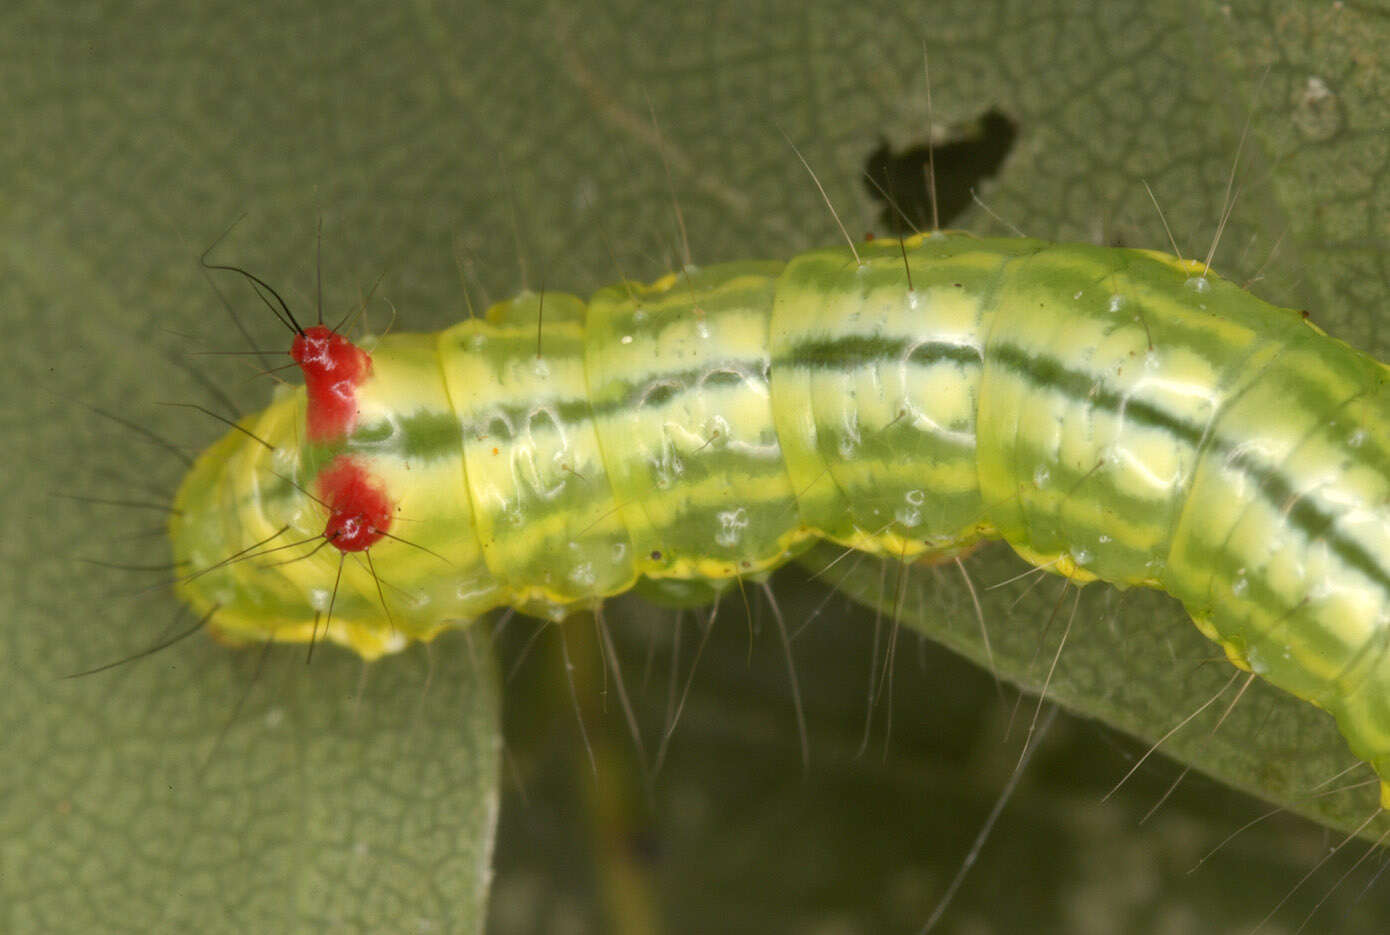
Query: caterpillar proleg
point(1112, 414)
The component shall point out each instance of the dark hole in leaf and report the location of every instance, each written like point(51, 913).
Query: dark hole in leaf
point(899, 180)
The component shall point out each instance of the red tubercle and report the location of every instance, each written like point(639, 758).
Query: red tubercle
point(333, 368)
point(359, 511)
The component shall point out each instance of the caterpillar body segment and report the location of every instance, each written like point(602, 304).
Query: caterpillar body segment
point(1112, 414)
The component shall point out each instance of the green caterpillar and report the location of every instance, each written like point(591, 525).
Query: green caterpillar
point(1112, 414)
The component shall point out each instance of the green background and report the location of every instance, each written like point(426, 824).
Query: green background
point(465, 150)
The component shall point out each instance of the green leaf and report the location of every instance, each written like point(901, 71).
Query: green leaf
point(461, 151)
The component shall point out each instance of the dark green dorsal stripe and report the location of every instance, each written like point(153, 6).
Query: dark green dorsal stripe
point(662, 388)
point(1276, 487)
point(426, 434)
point(854, 351)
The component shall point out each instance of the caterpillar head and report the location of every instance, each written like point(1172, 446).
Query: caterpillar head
point(300, 524)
